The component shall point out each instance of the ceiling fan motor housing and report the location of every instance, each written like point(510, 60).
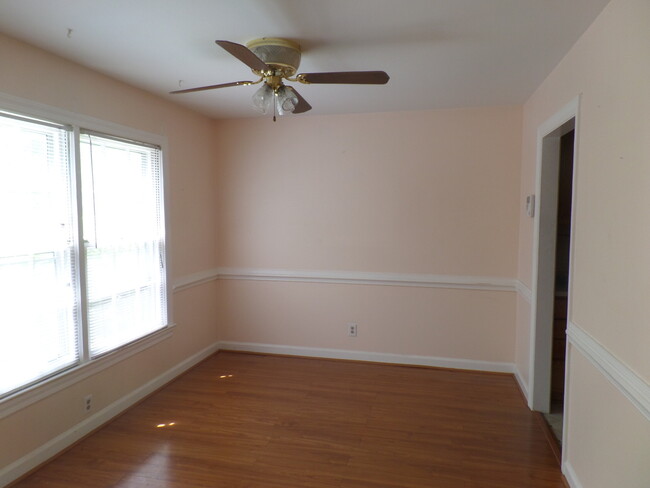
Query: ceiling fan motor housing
point(281, 54)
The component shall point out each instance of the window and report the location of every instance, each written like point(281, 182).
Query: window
point(124, 241)
point(82, 266)
point(38, 290)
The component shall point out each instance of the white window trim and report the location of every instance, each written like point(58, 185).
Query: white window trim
point(66, 378)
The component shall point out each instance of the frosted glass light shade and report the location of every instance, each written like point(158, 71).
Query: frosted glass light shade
point(264, 98)
point(286, 100)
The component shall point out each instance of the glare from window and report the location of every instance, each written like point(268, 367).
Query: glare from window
point(75, 262)
point(38, 319)
point(123, 238)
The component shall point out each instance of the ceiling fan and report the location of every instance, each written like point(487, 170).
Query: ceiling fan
point(275, 61)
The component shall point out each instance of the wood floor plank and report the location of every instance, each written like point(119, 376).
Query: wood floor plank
point(253, 421)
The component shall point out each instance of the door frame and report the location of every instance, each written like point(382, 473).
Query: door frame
point(543, 259)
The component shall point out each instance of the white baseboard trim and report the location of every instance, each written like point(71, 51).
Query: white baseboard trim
point(378, 357)
point(522, 384)
point(628, 382)
point(570, 475)
point(48, 450)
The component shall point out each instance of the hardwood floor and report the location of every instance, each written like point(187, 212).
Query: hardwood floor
point(243, 420)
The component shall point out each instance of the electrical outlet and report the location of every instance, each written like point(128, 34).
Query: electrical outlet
point(88, 402)
point(352, 330)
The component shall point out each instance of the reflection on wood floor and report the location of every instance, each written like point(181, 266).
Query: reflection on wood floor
point(244, 420)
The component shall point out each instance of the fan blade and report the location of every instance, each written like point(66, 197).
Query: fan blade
point(352, 77)
point(244, 54)
point(212, 87)
point(302, 106)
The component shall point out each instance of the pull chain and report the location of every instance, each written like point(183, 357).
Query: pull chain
point(275, 99)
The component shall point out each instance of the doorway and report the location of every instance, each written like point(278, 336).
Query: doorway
point(555, 416)
point(550, 305)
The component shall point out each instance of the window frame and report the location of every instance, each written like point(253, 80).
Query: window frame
point(87, 366)
point(86, 304)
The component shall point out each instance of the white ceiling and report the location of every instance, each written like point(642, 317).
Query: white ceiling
point(438, 53)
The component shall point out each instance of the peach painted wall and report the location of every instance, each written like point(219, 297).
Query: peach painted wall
point(610, 279)
point(609, 439)
point(35, 75)
point(430, 322)
point(417, 192)
point(609, 67)
point(430, 192)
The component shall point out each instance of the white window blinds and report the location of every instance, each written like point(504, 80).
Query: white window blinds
point(124, 238)
point(82, 248)
point(38, 287)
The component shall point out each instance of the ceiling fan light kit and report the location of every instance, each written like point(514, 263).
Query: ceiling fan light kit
point(275, 60)
point(280, 101)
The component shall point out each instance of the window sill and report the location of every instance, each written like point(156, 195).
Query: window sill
point(69, 377)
